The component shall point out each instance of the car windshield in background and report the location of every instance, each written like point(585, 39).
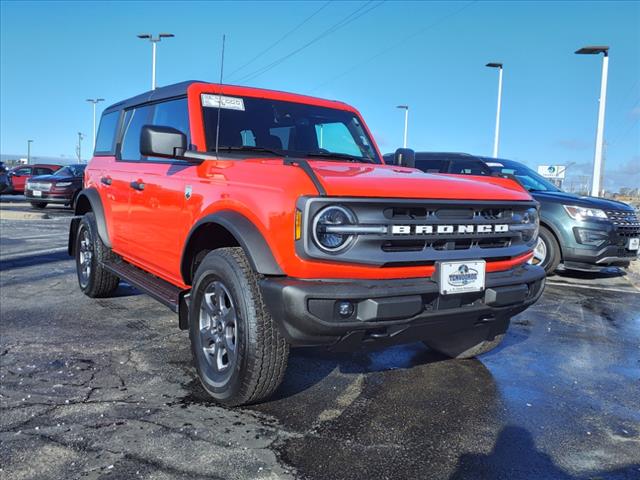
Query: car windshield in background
point(286, 128)
point(531, 180)
point(70, 171)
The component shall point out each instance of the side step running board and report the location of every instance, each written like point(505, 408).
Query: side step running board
point(166, 293)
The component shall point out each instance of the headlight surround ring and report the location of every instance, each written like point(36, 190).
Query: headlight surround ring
point(333, 215)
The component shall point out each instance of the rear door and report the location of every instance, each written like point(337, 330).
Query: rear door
point(20, 177)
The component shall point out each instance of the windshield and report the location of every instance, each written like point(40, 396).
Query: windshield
point(70, 171)
point(286, 128)
point(531, 180)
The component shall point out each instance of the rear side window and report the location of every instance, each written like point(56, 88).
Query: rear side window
point(468, 167)
point(106, 138)
point(42, 171)
point(432, 165)
point(134, 120)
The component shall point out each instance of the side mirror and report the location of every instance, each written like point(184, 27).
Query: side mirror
point(166, 142)
point(405, 157)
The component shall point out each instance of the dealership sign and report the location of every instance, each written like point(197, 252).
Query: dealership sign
point(552, 171)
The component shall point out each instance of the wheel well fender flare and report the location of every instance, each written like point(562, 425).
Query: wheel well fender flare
point(245, 233)
point(88, 200)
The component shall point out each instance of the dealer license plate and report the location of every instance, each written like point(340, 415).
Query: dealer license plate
point(36, 193)
point(634, 243)
point(461, 277)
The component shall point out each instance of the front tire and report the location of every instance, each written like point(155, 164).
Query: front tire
point(39, 205)
point(547, 252)
point(239, 354)
point(94, 280)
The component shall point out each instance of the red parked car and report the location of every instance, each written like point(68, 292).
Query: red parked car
point(18, 176)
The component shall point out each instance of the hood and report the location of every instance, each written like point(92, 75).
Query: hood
point(54, 178)
point(566, 198)
point(388, 181)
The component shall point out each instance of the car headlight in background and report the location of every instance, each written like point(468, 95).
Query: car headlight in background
point(63, 184)
point(331, 230)
point(583, 213)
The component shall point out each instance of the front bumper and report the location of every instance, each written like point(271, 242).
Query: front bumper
point(394, 311)
point(613, 252)
point(63, 197)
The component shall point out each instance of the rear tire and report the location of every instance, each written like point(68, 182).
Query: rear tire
point(239, 354)
point(547, 253)
point(90, 253)
point(39, 205)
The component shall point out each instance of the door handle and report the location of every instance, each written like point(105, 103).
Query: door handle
point(137, 185)
point(106, 180)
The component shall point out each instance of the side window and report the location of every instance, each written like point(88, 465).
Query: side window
point(284, 134)
point(173, 113)
point(468, 167)
point(42, 171)
point(248, 138)
point(22, 172)
point(134, 120)
point(431, 165)
point(106, 138)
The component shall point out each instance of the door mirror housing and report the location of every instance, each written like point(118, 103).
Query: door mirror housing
point(405, 157)
point(164, 142)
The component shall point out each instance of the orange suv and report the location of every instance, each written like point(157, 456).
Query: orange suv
point(268, 220)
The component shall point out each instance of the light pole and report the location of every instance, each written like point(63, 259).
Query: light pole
point(148, 36)
point(29, 142)
point(406, 122)
point(79, 147)
point(94, 101)
point(496, 138)
point(597, 158)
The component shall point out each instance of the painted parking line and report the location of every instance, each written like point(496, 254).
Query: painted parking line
point(20, 256)
point(632, 289)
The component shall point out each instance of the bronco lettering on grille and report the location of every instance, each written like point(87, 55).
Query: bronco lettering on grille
point(447, 229)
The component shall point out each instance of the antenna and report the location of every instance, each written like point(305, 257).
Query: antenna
point(220, 95)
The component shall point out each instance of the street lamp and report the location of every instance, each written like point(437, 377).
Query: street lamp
point(406, 122)
point(94, 101)
point(29, 142)
point(597, 158)
point(496, 138)
point(148, 36)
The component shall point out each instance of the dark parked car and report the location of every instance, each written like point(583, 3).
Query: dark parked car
point(446, 162)
point(5, 183)
point(61, 187)
point(576, 232)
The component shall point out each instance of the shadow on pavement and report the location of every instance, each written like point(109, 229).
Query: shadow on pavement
point(31, 260)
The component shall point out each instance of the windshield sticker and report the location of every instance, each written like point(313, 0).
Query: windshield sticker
point(220, 101)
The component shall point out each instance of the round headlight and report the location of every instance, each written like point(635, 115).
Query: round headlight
point(326, 228)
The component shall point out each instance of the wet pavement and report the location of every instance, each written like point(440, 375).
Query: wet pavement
point(105, 389)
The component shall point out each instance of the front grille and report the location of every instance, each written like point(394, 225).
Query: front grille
point(626, 224)
point(430, 231)
point(45, 187)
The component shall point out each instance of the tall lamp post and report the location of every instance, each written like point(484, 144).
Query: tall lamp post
point(29, 142)
point(154, 41)
point(94, 101)
point(496, 137)
point(597, 158)
point(406, 123)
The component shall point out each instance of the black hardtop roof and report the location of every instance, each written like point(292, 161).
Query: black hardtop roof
point(162, 93)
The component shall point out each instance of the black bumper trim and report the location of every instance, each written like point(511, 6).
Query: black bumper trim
point(305, 310)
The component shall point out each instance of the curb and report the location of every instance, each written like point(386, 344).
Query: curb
point(14, 215)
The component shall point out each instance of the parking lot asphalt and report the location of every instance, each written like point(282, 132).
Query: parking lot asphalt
point(106, 389)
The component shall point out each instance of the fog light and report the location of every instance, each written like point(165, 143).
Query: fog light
point(588, 236)
point(345, 308)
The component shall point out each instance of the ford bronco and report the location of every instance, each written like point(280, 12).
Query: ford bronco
point(267, 220)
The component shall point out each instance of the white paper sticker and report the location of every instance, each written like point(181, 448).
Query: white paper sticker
point(215, 101)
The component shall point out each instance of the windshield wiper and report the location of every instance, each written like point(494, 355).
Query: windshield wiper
point(250, 148)
point(344, 156)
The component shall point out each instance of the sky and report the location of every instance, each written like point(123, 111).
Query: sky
point(373, 55)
